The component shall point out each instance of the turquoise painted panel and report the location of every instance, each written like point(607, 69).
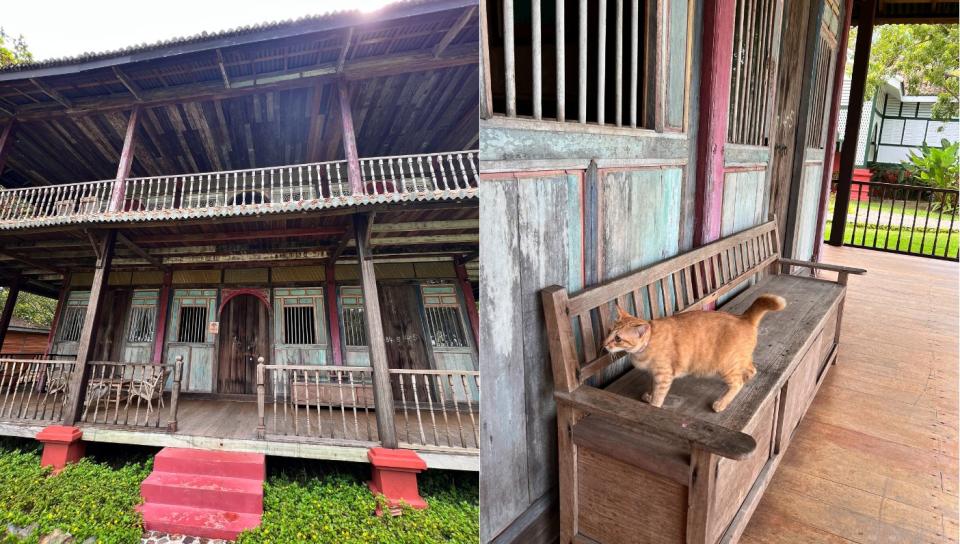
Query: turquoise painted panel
point(808, 206)
point(352, 357)
point(742, 200)
point(458, 361)
point(677, 65)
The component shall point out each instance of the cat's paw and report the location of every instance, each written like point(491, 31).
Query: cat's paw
point(719, 406)
point(646, 397)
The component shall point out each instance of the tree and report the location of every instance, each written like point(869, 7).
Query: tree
point(13, 50)
point(33, 308)
point(924, 57)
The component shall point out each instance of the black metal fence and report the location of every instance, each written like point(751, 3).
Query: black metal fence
point(907, 219)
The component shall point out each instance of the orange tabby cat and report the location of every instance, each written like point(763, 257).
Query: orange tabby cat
point(696, 343)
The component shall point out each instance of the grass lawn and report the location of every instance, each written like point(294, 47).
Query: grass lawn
point(909, 209)
point(304, 501)
point(924, 242)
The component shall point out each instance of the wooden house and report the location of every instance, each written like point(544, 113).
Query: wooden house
point(616, 135)
point(25, 339)
point(261, 240)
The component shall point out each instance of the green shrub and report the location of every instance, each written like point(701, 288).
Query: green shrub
point(338, 508)
point(86, 499)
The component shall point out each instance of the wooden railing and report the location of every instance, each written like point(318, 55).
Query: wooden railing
point(437, 409)
point(908, 219)
point(314, 402)
point(33, 390)
point(240, 192)
point(141, 395)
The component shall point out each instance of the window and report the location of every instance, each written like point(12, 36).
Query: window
point(352, 316)
point(71, 323)
point(442, 312)
point(142, 324)
point(601, 76)
point(751, 79)
point(192, 328)
point(299, 325)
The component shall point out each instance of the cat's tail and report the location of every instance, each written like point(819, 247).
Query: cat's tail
point(763, 304)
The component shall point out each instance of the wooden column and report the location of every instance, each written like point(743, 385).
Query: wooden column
point(467, 289)
point(5, 317)
point(333, 316)
point(717, 62)
point(163, 308)
point(78, 381)
point(126, 161)
point(858, 83)
point(349, 139)
point(831, 144)
point(6, 141)
point(382, 392)
point(61, 304)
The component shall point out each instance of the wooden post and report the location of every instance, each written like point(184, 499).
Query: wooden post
point(61, 304)
point(858, 84)
point(126, 161)
point(6, 141)
point(333, 316)
point(382, 392)
point(175, 393)
point(163, 308)
point(261, 398)
point(7, 315)
point(471, 302)
point(349, 140)
point(831, 144)
point(78, 380)
point(717, 63)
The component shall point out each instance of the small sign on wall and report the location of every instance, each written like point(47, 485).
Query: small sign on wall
point(213, 327)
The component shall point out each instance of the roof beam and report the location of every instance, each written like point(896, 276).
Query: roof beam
point(132, 87)
point(138, 250)
point(52, 93)
point(186, 239)
point(346, 48)
point(361, 69)
point(223, 69)
point(28, 261)
point(453, 31)
point(6, 141)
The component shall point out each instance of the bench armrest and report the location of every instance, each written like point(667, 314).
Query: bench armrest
point(842, 271)
point(701, 434)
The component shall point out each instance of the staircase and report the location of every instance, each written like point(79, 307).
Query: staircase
point(211, 494)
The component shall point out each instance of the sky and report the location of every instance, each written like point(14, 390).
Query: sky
point(66, 28)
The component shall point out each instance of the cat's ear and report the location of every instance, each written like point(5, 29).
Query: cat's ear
point(621, 313)
point(642, 329)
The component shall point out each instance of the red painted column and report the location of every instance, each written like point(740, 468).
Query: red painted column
point(716, 67)
point(163, 308)
point(61, 304)
point(831, 145)
point(467, 289)
point(333, 316)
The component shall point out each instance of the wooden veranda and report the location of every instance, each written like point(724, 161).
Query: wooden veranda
point(875, 458)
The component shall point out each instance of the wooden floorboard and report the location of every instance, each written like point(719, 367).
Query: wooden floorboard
point(875, 458)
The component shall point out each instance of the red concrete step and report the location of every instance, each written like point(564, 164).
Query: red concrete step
point(200, 491)
point(211, 463)
point(200, 522)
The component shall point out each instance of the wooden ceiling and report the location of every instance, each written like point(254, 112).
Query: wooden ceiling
point(434, 230)
point(902, 12)
point(251, 99)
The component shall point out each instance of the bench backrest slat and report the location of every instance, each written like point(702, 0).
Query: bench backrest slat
point(577, 324)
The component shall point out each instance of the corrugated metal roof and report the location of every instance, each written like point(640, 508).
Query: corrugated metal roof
point(307, 22)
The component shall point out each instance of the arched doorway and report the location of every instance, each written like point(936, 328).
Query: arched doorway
point(244, 336)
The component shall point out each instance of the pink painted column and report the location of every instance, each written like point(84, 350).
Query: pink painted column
point(163, 308)
point(333, 317)
point(716, 67)
point(831, 145)
point(467, 289)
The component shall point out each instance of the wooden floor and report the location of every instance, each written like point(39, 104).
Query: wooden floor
point(875, 459)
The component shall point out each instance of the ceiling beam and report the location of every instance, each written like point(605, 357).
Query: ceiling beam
point(343, 52)
point(131, 86)
point(28, 261)
point(186, 239)
point(453, 32)
point(52, 93)
point(223, 69)
point(417, 61)
point(138, 250)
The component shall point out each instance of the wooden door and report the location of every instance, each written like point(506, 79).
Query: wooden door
point(403, 333)
point(243, 338)
point(188, 337)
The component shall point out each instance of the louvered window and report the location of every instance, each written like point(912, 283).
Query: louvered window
point(193, 320)
point(143, 324)
point(71, 323)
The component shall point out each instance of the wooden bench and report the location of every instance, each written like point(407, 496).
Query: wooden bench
point(630, 472)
